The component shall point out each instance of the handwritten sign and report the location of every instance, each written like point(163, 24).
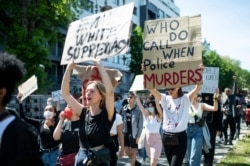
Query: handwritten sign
point(90, 73)
point(137, 83)
point(28, 87)
point(56, 95)
point(210, 81)
point(100, 35)
point(172, 52)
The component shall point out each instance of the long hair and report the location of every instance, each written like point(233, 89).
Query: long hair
point(180, 92)
point(102, 90)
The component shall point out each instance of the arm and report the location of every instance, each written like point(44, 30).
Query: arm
point(142, 109)
point(58, 130)
point(159, 110)
point(192, 94)
point(155, 93)
point(109, 98)
point(121, 139)
point(216, 99)
point(65, 88)
point(32, 121)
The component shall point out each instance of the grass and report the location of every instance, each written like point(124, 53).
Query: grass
point(239, 155)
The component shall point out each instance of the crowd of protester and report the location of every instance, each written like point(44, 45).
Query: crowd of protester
point(173, 123)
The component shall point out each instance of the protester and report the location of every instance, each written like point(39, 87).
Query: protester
point(45, 127)
point(118, 103)
point(117, 139)
point(228, 108)
point(175, 118)
point(97, 118)
point(152, 123)
point(67, 131)
point(19, 145)
point(240, 104)
point(247, 116)
point(195, 128)
point(132, 128)
point(214, 123)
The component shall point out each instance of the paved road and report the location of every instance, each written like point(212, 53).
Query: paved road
point(220, 152)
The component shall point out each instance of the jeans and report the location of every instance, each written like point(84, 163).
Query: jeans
point(49, 159)
point(195, 142)
point(81, 156)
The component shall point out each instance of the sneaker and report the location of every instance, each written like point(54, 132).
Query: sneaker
point(225, 142)
point(137, 163)
point(230, 142)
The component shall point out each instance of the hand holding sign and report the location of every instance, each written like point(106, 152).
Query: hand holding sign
point(28, 87)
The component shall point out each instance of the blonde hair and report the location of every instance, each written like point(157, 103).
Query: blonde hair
point(102, 90)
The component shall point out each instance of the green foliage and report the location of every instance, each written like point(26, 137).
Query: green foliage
point(27, 28)
point(239, 155)
point(228, 69)
point(136, 43)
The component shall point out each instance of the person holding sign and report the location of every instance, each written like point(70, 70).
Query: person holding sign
point(45, 127)
point(152, 117)
point(97, 117)
point(195, 128)
point(229, 107)
point(175, 119)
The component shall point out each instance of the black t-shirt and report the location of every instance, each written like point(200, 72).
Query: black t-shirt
point(18, 146)
point(97, 129)
point(70, 139)
point(46, 137)
point(129, 121)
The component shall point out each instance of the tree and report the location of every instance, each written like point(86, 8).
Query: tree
point(228, 68)
point(136, 43)
point(28, 27)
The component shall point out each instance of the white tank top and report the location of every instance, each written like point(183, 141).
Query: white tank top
point(152, 126)
point(197, 111)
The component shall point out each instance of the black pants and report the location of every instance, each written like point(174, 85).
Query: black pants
point(113, 148)
point(229, 120)
point(237, 123)
point(176, 153)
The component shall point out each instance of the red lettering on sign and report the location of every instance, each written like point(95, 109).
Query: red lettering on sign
point(182, 78)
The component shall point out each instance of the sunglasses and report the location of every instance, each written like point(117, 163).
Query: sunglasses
point(170, 89)
point(130, 97)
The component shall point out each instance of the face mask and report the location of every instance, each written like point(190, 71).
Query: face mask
point(151, 109)
point(48, 114)
point(68, 112)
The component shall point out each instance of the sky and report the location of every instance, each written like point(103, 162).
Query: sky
point(225, 24)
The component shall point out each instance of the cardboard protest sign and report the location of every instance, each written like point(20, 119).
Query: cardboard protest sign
point(28, 87)
point(137, 83)
point(172, 52)
point(90, 73)
point(100, 35)
point(210, 81)
point(56, 95)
